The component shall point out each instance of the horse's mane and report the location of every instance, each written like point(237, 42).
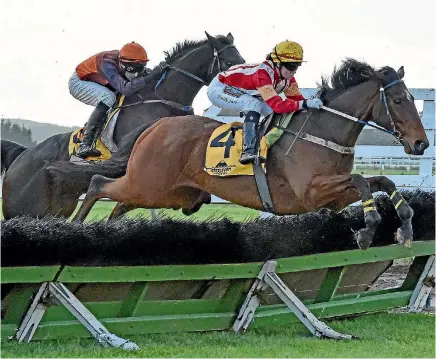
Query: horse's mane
point(351, 73)
point(179, 50)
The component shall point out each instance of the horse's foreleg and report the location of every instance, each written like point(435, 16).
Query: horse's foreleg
point(372, 217)
point(337, 192)
point(404, 211)
point(204, 198)
point(97, 190)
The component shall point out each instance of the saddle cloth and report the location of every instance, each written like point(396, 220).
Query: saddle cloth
point(76, 139)
point(225, 147)
point(105, 142)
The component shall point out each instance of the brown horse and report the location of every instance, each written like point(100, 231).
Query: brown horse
point(165, 169)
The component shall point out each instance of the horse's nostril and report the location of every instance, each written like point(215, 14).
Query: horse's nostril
point(420, 146)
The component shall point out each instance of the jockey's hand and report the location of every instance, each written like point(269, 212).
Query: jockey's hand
point(313, 103)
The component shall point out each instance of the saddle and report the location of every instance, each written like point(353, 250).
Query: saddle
point(225, 146)
point(105, 142)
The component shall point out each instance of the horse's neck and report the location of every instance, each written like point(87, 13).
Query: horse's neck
point(176, 87)
point(356, 102)
point(180, 87)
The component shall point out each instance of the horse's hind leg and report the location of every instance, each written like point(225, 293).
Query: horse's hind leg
point(97, 189)
point(120, 210)
point(405, 212)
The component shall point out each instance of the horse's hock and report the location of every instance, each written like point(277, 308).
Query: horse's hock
point(48, 275)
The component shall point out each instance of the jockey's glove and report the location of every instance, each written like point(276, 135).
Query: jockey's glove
point(312, 103)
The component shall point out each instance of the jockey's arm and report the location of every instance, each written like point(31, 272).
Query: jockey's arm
point(272, 98)
point(293, 92)
point(120, 84)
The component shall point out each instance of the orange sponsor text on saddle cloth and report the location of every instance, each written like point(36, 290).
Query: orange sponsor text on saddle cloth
point(225, 147)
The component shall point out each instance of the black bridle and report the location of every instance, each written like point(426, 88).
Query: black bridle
point(165, 68)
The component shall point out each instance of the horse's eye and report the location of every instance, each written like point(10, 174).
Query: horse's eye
point(228, 63)
point(397, 101)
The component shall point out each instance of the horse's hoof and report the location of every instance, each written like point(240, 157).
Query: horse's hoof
point(408, 243)
point(363, 239)
point(404, 232)
point(187, 212)
point(404, 237)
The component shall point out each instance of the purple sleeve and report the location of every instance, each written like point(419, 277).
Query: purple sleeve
point(110, 73)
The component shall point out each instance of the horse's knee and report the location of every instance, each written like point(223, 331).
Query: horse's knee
point(381, 183)
point(97, 183)
point(372, 218)
point(404, 211)
point(360, 183)
point(207, 198)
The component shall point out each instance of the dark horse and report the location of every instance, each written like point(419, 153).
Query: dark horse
point(9, 152)
point(165, 169)
point(26, 187)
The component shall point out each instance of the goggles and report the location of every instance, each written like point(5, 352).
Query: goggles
point(133, 67)
point(291, 66)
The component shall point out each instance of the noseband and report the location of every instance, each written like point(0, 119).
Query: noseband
point(383, 99)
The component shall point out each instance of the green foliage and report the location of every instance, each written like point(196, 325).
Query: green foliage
point(13, 132)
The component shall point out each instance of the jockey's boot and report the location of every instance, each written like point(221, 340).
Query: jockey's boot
point(249, 147)
point(95, 121)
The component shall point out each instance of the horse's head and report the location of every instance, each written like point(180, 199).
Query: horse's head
point(377, 95)
point(225, 54)
point(396, 111)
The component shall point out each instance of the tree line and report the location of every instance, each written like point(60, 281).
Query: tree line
point(13, 132)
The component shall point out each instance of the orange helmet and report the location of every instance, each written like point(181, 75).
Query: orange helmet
point(133, 52)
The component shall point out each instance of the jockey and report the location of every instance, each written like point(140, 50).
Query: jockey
point(255, 89)
point(96, 80)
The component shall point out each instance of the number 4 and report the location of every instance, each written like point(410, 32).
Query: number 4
point(227, 144)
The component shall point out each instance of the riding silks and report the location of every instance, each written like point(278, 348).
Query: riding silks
point(225, 147)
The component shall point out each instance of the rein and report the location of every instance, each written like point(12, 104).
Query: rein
point(383, 99)
point(334, 146)
point(165, 68)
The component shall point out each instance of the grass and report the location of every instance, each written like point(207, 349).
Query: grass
point(102, 209)
point(386, 172)
point(381, 335)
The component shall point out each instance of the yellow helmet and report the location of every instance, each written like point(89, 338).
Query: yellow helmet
point(287, 51)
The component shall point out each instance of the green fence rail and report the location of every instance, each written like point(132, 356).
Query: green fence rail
point(179, 298)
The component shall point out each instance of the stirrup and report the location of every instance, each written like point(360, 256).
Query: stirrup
point(247, 158)
point(88, 152)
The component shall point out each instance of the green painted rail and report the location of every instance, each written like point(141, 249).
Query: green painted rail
point(176, 298)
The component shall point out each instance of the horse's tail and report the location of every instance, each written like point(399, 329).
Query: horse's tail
point(9, 152)
point(113, 168)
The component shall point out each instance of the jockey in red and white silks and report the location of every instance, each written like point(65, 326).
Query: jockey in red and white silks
point(254, 89)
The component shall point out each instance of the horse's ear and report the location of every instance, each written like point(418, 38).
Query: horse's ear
point(400, 72)
point(230, 37)
point(214, 42)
